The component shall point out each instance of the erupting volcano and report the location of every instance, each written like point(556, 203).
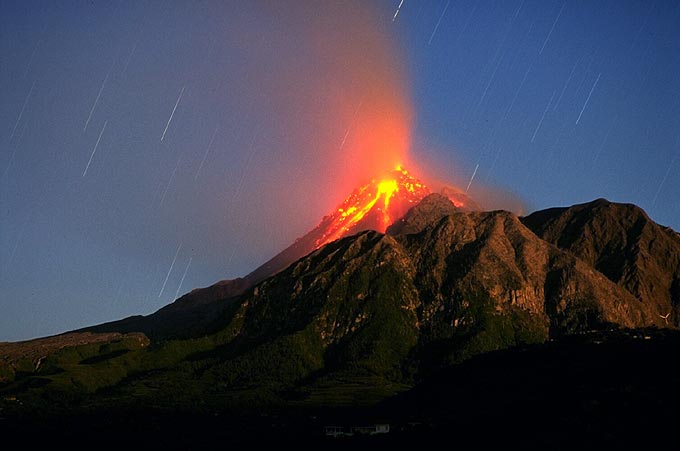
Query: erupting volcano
point(378, 204)
point(375, 205)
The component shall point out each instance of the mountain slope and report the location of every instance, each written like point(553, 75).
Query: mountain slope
point(621, 242)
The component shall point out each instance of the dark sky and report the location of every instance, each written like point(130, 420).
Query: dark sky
point(151, 147)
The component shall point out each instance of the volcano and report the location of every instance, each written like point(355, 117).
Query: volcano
point(580, 303)
point(381, 204)
point(375, 205)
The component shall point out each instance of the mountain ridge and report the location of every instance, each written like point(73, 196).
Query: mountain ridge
point(367, 316)
point(623, 243)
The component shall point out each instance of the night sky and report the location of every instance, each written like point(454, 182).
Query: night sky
point(152, 147)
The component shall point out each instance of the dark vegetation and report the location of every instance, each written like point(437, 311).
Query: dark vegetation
point(611, 389)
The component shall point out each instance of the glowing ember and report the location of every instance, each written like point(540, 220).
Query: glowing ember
point(375, 206)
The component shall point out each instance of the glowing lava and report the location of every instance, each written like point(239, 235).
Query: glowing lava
point(374, 206)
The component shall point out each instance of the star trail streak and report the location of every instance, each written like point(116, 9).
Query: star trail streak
point(173, 113)
point(588, 99)
point(543, 117)
point(170, 270)
point(94, 149)
point(21, 113)
point(96, 100)
point(439, 21)
point(547, 38)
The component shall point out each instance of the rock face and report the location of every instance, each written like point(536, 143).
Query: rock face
point(431, 208)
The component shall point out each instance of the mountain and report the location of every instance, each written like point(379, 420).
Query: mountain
point(374, 205)
point(394, 305)
point(372, 316)
point(429, 209)
point(621, 242)
point(367, 316)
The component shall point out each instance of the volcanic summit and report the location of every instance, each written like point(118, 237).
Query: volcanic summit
point(375, 205)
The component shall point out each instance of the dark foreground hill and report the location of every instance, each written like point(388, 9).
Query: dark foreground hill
point(604, 390)
point(369, 317)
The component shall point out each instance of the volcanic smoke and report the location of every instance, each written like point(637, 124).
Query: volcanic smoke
point(329, 92)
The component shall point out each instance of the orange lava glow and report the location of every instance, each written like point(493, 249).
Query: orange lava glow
point(375, 205)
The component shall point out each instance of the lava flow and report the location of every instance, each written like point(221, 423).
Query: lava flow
point(374, 206)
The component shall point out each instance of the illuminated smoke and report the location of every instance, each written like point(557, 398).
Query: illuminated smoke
point(327, 96)
point(324, 107)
